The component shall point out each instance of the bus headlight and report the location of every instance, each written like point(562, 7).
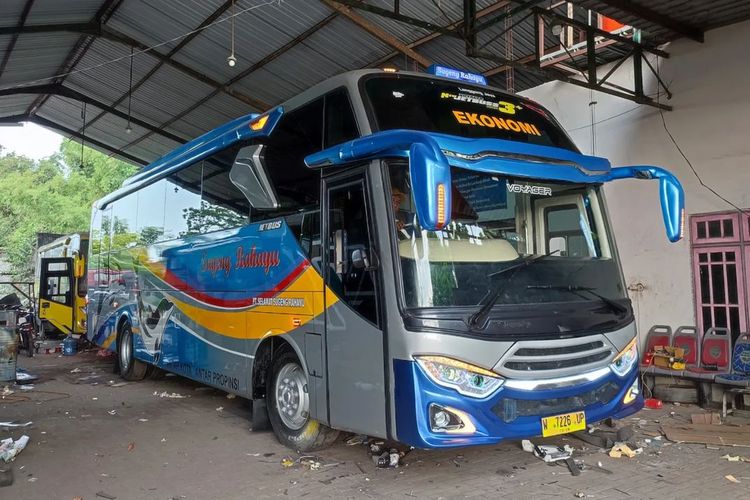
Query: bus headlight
point(467, 379)
point(626, 359)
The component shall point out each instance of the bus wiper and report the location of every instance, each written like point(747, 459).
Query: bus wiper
point(480, 317)
point(615, 306)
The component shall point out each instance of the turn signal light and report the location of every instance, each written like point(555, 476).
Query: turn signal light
point(259, 123)
point(441, 205)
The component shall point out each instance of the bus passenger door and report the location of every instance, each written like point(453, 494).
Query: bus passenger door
point(353, 335)
point(57, 292)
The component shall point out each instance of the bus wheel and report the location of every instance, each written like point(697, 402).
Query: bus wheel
point(130, 368)
point(289, 407)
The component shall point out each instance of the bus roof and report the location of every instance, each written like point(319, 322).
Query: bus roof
point(239, 128)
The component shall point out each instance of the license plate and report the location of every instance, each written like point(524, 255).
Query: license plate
point(563, 424)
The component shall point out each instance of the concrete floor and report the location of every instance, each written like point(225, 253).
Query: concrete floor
point(91, 437)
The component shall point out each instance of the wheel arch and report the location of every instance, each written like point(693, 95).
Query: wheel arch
point(264, 355)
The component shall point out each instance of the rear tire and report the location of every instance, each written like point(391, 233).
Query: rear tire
point(131, 369)
point(289, 408)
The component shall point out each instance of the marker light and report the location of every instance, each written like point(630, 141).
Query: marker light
point(467, 379)
point(259, 123)
point(390, 70)
point(682, 223)
point(626, 359)
point(456, 74)
point(441, 205)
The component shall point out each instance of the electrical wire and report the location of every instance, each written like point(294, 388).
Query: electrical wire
point(687, 160)
point(141, 51)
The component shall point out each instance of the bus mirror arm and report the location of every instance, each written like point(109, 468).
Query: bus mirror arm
point(671, 195)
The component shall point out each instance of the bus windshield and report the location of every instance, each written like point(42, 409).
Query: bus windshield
point(556, 231)
point(408, 102)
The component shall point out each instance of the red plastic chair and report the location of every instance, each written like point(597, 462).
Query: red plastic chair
point(657, 335)
point(716, 352)
point(688, 339)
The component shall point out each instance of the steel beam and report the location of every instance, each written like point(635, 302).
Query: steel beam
point(63, 91)
point(397, 16)
point(663, 20)
point(79, 49)
point(14, 38)
point(187, 39)
point(544, 13)
point(97, 30)
point(458, 26)
point(376, 31)
point(270, 57)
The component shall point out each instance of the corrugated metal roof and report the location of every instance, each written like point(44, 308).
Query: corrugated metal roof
point(188, 97)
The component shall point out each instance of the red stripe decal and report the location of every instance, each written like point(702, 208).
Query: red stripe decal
point(180, 285)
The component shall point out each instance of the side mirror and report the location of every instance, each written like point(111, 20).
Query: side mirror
point(671, 195)
point(557, 245)
point(431, 186)
point(359, 259)
point(250, 176)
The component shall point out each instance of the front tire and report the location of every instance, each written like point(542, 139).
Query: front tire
point(289, 407)
point(131, 369)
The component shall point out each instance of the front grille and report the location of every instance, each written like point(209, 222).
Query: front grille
point(569, 356)
point(509, 409)
point(556, 364)
point(551, 351)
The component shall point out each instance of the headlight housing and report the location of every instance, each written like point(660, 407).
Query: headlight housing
point(624, 361)
point(467, 379)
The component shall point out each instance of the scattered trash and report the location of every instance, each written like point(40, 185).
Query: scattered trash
point(311, 462)
point(25, 377)
point(33, 480)
point(101, 494)
point(735, 458)
point(26, 387)
point(131, 446)
point(231, 396)
point(287, 461)
point(579, 494)
point(143, 420)
point(112, 412)
point(9, 449)
point(527, 446)
point(6, 391)
point(625, 433)
point(620, 449)
point(706, 418)
point(171, 395)
point(550, 453)
point(118, 384)
point(163, 440)
point(220, 408)
point(6, 476)
point(731, 478)
point(76, 370)
point(14, 424)
point(358, 439)
point(653, 404)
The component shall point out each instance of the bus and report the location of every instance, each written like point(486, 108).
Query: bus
point(416, 257)
point(61, 276)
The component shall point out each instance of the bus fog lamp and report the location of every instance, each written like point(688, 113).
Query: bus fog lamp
point(465, 378)
point(626, 359)
point(450, 420)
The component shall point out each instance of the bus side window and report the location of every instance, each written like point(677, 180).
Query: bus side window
point(564, 231)
point(340, 125)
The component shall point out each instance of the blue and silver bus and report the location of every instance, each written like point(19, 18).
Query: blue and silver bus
point(414, 257)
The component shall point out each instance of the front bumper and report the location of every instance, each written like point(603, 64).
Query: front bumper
point(504, 414)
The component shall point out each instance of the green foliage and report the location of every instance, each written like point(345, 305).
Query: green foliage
point(52, 195)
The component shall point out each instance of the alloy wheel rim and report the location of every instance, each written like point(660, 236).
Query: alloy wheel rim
point(292, 400)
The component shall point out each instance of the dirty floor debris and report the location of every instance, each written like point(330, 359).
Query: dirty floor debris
point(183, 448)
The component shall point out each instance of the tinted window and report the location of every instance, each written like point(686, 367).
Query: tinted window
point(457, 109)
point(183, 201)
point(340, 125)
point(151, 213)
point(124, 222)
point(223, 206)
point(297, 134)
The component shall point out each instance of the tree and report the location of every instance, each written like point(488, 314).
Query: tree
point(52, 195)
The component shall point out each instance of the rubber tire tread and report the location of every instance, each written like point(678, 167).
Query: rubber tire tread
point(314, 435)
point(138, 368)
